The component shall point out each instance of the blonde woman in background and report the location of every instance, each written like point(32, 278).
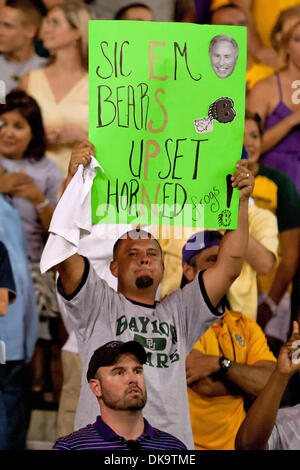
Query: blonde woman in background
point(277, 101)
point(61, 88)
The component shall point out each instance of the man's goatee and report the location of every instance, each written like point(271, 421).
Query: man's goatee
point(143, 281)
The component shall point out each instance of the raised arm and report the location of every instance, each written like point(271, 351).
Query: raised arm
point(259, 422)
point(71, 270)
point(233, 247)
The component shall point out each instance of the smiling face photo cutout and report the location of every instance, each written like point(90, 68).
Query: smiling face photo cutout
point(223, 53)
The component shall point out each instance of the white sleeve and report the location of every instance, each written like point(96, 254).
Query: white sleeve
point(195, 312)
point(274, 441)
point(86, 304)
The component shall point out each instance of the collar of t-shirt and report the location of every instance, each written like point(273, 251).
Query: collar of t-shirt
point(109, 435)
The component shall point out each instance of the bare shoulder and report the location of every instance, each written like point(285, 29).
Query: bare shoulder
point(263, 96)
point(23, 82)
point(31, 75)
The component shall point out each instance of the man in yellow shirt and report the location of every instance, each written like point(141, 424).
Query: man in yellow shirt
point(230, 362)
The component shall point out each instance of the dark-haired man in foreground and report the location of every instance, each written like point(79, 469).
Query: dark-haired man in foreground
point(116, 378)
point(168, 330)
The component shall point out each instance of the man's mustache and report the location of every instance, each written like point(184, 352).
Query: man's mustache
point(133, 388)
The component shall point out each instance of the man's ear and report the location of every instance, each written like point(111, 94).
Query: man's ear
point(95, 387)
point(77, 34)
point(30, 31)
point(189, 271)
point(114, 268)
point(278, 37)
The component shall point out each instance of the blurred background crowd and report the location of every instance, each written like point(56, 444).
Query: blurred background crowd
point(44, 112)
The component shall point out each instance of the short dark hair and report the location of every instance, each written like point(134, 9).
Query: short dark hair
point(121, 13)
point(134, 234)
point(256, 118)
point(224, 7)
point(109, 352)
point(18, 100)
point(29, 10)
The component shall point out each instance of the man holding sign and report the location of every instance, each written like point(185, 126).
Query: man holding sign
point(157, 169)
point(167, 330)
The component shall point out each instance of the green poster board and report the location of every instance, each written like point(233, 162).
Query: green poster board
point(167, 103)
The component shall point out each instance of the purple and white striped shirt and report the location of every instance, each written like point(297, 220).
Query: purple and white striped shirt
point(99, 436)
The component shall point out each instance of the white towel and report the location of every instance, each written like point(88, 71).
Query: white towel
point(71, 219)
point(71, 229)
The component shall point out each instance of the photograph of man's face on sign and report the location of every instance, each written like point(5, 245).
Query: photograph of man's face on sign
point(223, 53)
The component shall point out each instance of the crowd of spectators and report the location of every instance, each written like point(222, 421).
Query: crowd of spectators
point(44, 118)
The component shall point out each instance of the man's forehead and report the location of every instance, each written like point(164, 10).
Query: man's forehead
point(204, 254)
point(222, 43)
point(123, 359)
point(13, 15)
point(139, 243)
point(228, 15)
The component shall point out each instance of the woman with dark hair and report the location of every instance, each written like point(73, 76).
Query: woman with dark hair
point(30, 179)
point(274, 190)
point(31, 182)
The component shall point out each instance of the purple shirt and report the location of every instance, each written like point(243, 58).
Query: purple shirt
point(99, 436)
point(202, 11)
point(48, 178)
point(284, 156)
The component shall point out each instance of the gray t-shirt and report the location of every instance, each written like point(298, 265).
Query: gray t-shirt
point(167, 330)
point(286, 432)
point(48, 178)
point(10, 72)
